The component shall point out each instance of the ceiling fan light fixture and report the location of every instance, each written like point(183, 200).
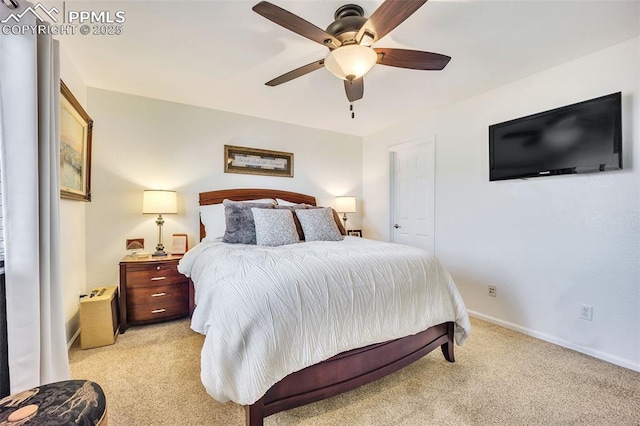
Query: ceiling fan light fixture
point(350, 62)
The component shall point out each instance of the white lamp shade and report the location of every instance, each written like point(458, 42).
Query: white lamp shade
point(159, 202)
point(350, 62)
point(346, 204)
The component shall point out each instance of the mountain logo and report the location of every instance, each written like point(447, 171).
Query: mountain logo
point(35, 11)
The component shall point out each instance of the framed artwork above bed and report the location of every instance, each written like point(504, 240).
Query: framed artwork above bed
point(254, 161)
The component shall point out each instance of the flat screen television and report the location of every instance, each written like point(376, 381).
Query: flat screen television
point(581, 138)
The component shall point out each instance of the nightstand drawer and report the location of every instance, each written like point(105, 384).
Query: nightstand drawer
point(153, 277)
point(174, 307)
point(156, 294)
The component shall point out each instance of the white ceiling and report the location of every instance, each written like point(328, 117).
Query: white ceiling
point(219, 54)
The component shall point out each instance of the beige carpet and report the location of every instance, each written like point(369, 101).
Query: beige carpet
point(151, 376)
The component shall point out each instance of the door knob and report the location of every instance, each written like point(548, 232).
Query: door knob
point(397, 226)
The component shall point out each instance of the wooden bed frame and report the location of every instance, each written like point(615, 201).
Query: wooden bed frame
point(344, 371)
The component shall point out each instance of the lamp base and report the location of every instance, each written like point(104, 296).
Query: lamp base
point(160, 251)
point(160, 247)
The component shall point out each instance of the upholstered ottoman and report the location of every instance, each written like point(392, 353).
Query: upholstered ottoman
point(71, 402)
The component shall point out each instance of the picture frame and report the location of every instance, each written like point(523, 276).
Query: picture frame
point(179, 243)
point(355, 233)
point(254, 161)
point(76, 130)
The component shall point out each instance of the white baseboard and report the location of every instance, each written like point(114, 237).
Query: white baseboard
point(560, 342)
point(73, 339)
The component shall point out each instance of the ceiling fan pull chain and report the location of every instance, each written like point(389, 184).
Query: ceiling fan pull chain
point(353, 114)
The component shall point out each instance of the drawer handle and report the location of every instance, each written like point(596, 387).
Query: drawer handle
point(158, 278)
point(157, 268)
point(158, 311)
point(158, 294)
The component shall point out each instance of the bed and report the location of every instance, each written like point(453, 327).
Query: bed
point(347, 369)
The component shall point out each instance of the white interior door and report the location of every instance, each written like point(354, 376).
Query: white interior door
point(413, 194)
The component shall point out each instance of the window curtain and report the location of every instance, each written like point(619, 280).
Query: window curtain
point(29, 163)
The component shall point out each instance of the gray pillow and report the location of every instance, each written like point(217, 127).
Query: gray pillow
point(293, 208)
point(319, 224)
point(336, 218)
point(274, 227)
point(239, 220)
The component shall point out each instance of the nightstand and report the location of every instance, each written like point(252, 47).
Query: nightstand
point(152, 290)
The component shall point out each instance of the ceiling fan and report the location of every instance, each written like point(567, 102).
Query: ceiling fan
point(349, 39)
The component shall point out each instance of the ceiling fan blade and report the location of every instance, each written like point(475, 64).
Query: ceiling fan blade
point(354, 89)
point(296, 24)
point(413, 59)
point(298, 72)
point(389, 15)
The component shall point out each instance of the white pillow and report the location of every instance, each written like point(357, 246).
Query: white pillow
point(212, 217)
point(274, 227)
point(282, 202)
point(319, 224)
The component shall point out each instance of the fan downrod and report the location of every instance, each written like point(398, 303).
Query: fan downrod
point(348, 10)
point(348, 20)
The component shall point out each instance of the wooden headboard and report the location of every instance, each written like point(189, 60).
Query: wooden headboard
point(217, 197)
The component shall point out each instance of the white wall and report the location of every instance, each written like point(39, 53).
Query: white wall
point(142, 143)
point(73, 221)
point(549, 244)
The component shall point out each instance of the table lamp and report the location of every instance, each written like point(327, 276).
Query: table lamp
point(345, 205)
point(159, 202)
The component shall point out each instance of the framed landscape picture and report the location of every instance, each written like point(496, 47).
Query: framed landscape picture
point(75, 148)
point(254, 161)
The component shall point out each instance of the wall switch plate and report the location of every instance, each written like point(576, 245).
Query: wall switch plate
point(492, 290)
point(586, 312)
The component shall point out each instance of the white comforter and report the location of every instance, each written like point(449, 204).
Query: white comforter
point(269, 311)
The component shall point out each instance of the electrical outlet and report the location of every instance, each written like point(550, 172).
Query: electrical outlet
point(492, 290)
point(586, 312)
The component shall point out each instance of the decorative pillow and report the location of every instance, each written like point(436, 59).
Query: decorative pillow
point(274, 227)
point(213, 219)
point(241, 227)
point(336, 218)
point(281, 202)
point(293, 209)
point(319, 224)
